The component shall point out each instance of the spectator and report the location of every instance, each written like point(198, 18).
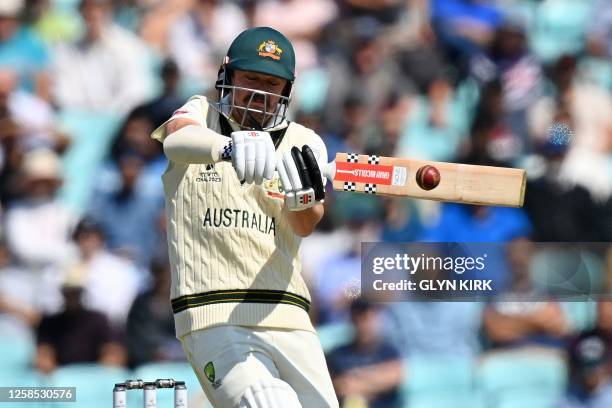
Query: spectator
point(11, 156)
point(493, 141)
point(302, 22)
point(575, 217)
point(384, 11)
point(368, 65)
point(464, 29)
point(162, 107)
point(133, 138)
point(22, 51)
point(401, 221)
point(389, 125)
point(590, 383)
point(587, 110)
point(339, 277)
point(19, 298)
point(522, 316)
point(198, 38)
point(150, 325)
point(129, 213)
point(351, 127)
point(53, 22)
point(600, 31)
point(436, 125)
point(604, 315)
point(37, 225)
point(34, 115)
point(520, 75)
point(113, 56)
point(369, 368)
point(76, 334)
point(435, 329)
point(535, 323)
point(110, 283)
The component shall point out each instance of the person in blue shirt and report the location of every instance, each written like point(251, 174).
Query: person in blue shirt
point(590, 381)
point(368, 369)
point(129, 214)
point(21, 50)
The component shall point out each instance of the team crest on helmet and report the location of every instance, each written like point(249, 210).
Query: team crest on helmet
point(269, 49)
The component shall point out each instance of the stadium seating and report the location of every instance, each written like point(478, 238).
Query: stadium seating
point(560, 27)
point(334, 334)
point(15, 353)
point(509, 379)
point(94, 384)
point(440, 382)
point(92, 135)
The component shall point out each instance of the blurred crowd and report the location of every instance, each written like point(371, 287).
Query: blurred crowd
point(84, 273)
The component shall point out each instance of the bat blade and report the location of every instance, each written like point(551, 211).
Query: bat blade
point(461, 183)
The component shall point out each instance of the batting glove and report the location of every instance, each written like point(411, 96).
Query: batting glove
point(301, 177)
point(253, 156)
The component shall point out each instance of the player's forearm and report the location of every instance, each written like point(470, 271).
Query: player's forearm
point(304, 222)
point(194, 144)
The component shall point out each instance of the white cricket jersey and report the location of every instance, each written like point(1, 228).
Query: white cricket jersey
point(233, 254)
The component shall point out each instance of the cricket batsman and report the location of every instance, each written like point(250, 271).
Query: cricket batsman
point(239, 300)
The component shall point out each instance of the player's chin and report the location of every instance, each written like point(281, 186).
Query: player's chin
point(255, 121)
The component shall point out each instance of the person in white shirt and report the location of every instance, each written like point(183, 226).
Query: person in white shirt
point(106, 70)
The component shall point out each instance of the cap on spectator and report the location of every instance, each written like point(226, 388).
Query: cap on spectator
point(11, 8)
point(589, 351)
point(42, 164)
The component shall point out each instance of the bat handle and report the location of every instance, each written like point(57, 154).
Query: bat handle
point(329, 170)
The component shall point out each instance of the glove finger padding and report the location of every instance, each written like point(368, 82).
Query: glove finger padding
point(293, 173)
point(314, 172)
point(284, 177)
point(301, 167)
point(270, 160)
point(260, 162)
point(238, 159)
point(249, 155)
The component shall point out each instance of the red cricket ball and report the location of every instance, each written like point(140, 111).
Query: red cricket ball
point(428, 177)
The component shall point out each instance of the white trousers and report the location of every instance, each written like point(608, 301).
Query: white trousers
point(229, 359)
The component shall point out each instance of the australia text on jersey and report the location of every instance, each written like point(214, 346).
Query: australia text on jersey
point(236, 218)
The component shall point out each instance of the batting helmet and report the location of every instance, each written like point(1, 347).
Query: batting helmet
point(263, 50)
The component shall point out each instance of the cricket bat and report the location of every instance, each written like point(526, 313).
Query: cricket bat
point(461, 183)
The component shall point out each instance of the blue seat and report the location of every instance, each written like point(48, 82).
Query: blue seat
point(560, 27)
point(460, 400)
point(92, 135)
point(581, 315)
point(15, 354)
point(439, 382)
point(333, 335)
point(505, 378)
point(175, 370)
point(94, 384)
point(25, 377)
